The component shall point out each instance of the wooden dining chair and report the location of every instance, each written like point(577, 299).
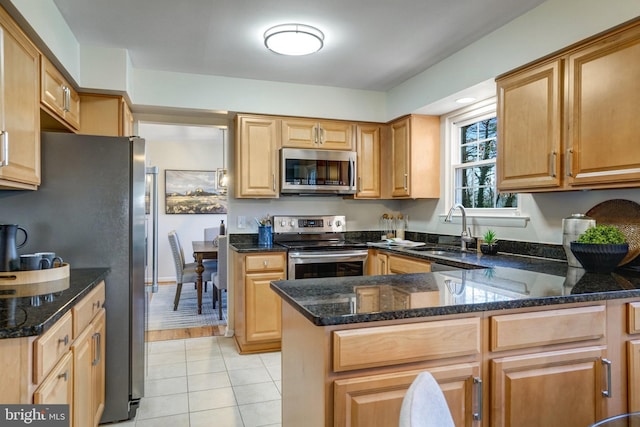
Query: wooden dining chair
point(186, 272)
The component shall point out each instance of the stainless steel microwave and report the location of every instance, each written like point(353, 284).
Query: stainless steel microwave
point(305, 171)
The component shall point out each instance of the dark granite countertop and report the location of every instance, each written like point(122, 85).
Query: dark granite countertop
point(492, 283)
point(30, 310)
point(248, 247)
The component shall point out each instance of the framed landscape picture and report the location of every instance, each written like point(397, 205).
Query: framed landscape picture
point(193, 192)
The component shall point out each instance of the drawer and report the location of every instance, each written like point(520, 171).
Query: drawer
point(401, 265)
point(51, 346)
point(57, 388)
point(264, 262)
point(522, 330)
point(633, 316)
point(396, 344)
point(85, 310)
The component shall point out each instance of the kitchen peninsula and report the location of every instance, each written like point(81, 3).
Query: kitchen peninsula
point(509, 347)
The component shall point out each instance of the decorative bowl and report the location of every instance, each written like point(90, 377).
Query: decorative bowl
point(599, 258)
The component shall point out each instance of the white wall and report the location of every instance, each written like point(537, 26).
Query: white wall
point(549, 27)
point(181, 147)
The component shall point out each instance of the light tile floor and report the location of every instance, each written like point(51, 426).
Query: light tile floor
point(202, 382)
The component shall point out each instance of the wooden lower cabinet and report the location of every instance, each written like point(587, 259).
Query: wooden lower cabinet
point(256, 307)
point(65, 365)
point(561, 389)
point(375, 400)
point(57, 388)
point(633, 355)
point(89, 384)
point(381, 263)
point(406, 265)
point(556, 372)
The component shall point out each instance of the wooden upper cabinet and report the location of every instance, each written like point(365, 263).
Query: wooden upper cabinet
point(530, 128)
point(570, 122)
point(414, 153)
point(107, 115)
point(311, 133)
point(58, 98)
point(19, 108)
point(368, 163)
point(604, 105)
point(256, 153)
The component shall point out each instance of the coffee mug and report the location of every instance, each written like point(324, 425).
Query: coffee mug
point(33, 262)
point(51, 256)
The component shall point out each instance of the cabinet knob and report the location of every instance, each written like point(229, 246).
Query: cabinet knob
point(266, 263)
point(64, 340)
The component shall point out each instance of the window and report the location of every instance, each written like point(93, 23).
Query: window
point(473, 148)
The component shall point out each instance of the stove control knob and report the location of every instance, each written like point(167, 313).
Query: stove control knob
point(338, 223)
point(329, 223)
point(283, 222)
point(293, 223)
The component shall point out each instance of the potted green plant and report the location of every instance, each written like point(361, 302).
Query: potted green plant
point(489, 245)
point(601, 248)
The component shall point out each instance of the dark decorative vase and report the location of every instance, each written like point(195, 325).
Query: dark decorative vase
point(489, 248)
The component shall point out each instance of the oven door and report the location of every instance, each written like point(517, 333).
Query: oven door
point(317, 264)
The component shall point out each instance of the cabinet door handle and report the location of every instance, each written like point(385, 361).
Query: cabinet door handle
point(568, 162)
point(322, 138)
point(405, 181)
point(4, 151)
point(359, 184)
point(64, 340)
point(607, 391)
point(64, 375)
point(554, 159)
point(315, 134)
point(97, 339)
point(273, 181)
point(478, 414)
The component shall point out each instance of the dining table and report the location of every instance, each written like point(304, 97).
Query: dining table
point(202, 250)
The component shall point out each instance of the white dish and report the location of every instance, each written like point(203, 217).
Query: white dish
point(402, 242)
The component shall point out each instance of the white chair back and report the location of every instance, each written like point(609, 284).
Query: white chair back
point(424, 404)
point(210, 233)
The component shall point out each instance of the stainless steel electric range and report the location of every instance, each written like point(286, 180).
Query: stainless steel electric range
point(317, 247)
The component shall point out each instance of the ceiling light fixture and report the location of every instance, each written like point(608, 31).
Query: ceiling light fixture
point(465, 100)
point(293, 39)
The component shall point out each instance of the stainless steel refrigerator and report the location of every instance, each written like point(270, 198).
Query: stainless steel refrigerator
point(90, 210)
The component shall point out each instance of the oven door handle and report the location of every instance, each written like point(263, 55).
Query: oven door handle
point(329, 255)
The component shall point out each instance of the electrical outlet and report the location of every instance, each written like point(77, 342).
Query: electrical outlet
point(242, 222)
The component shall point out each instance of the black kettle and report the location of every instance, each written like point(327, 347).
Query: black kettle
point(9, 259)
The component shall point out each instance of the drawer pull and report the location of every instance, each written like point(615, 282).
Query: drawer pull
point(64, 340)
point(96, 304)
point(477, 416)
point(607, 391)
point(64, 375)
point(266, 263)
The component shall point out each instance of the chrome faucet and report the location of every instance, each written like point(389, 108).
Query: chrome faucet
point(465, 236)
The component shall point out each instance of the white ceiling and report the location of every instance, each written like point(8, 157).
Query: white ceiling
point(369, 44)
